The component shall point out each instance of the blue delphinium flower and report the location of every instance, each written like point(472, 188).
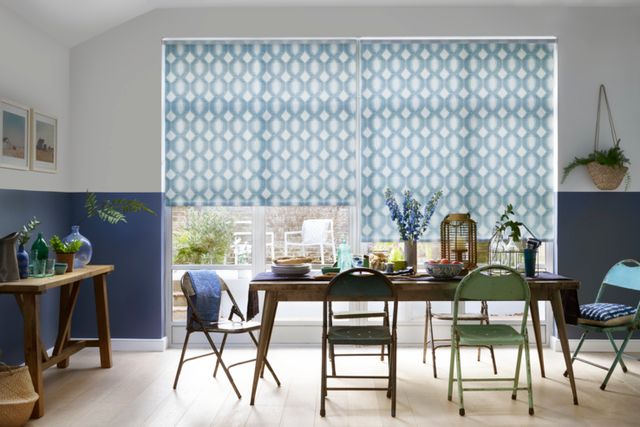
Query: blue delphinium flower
point(411, 220)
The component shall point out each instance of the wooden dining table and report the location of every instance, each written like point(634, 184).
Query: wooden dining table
point(28, 292)
point(309, 288)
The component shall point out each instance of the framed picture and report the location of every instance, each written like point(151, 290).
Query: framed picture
point(14, 128)
point(44, 142)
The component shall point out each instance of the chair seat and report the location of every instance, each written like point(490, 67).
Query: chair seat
point(359, 335)
point(465, 316)
point(489, 334)
point(358, 314)
point(229, 327)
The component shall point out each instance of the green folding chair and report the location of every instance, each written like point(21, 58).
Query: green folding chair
point(490, 283)
point(360, 284)
point(608, 318)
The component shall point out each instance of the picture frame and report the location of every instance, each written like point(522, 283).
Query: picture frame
point(44, 142)
point(15, 128)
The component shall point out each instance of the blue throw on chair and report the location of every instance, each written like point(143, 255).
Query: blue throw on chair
point(205, 295)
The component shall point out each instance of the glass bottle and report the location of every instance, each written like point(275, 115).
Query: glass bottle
point(345, 260)
point(83, 256)
point(39, 249)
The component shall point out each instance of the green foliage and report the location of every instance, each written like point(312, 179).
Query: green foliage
point(613, 157)
point(64, 247)
point(506, 223)
point(113, 211)
point(25, 234)
point(205, 239)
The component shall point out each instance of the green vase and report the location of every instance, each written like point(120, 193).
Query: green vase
point(40, 248)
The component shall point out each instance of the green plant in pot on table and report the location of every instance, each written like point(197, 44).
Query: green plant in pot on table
point(65, 251)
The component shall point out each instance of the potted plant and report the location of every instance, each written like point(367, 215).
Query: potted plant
point(606, 167)
point(65, 251)
point(411, 220)
point(22, 255)
point(508, 253)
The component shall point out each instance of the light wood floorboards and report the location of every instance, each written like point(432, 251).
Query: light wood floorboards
point(137, 391)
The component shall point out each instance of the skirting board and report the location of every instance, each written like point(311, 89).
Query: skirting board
point(133, 344)
point(596, 345)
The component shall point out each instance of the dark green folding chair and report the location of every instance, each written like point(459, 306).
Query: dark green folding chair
point(360, 284)
point(490, 283)
point(608, 318)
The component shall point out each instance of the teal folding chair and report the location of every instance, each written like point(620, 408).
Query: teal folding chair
point(608, 318)
point(360, 284)
point(490, 283)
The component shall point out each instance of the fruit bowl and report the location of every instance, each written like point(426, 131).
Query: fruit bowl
point(441, 270)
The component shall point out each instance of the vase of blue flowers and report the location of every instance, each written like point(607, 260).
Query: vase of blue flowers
point(412, 220)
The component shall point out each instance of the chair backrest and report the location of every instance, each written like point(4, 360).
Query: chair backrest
point(360, 283)
point(316, 231)
point(493, 283)
point(624, 274)
point(189, 292)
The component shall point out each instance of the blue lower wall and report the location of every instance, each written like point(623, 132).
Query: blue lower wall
point(136, 297)
point(596, 230)
point(16, 208)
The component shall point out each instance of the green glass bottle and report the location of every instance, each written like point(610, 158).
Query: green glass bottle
point(40, 248)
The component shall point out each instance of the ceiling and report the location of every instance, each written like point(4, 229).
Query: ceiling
point(71, 22)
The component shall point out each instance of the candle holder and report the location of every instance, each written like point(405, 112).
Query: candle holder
point(458, 240)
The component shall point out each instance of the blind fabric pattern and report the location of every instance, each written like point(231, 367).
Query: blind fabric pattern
point(260, 123)
point(472, 118)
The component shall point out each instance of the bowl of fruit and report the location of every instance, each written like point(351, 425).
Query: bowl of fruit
point(443, 268)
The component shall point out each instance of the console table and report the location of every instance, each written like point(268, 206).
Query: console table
point(27, 293)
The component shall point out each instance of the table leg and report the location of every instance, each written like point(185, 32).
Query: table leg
point(268, 317)
point(102, 314)
point(32, 348)
point(558, 314)
point(68, 298)
point(535, 319)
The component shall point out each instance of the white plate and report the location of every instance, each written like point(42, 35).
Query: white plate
point(291, 269)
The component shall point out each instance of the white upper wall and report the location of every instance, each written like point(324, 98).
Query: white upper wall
point(116, 78)
point(34, 72)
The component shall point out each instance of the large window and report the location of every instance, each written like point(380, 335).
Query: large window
point(270, 144)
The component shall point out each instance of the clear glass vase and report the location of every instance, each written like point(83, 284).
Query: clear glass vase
point(83, 256)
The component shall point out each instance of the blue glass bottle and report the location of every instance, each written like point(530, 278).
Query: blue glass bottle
point(23, 262)
point(83, 256)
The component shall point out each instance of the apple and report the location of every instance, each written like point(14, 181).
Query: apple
point(457, 262)
point(445, 261)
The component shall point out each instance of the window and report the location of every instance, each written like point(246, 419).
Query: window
point(286, 146)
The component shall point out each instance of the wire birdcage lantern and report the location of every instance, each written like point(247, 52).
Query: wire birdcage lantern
point(458, 240)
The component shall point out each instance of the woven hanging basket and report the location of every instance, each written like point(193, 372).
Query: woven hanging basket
point(606, 177)
point(17, 396)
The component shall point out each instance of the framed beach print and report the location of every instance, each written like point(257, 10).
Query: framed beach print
point(44, 142)
point(14, 128)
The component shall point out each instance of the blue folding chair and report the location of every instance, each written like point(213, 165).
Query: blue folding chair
point(608, 318)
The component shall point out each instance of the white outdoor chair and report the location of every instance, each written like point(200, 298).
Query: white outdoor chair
point(315, 232)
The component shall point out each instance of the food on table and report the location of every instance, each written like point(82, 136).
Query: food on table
point(290, 260)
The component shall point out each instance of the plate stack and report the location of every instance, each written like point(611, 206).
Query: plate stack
point(289, 266)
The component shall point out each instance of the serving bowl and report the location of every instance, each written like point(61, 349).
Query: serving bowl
point(443, 271)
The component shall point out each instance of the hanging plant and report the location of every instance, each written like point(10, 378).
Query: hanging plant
point(607, 167)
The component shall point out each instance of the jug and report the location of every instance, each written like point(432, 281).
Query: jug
point(8, 258)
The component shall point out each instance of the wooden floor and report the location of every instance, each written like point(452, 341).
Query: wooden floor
point(138, 391)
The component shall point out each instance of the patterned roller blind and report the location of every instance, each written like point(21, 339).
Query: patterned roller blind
point(260, 123)
point(472, 118)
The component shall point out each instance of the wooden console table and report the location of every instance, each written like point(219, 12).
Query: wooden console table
point(27, 293)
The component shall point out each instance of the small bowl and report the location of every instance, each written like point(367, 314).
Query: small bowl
point(61, 267)
point(443, 271)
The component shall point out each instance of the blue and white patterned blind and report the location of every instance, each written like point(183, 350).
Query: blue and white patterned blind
point(472, 118)
point(260, 123)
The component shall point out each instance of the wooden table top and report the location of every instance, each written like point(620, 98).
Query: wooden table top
point(42, 284)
